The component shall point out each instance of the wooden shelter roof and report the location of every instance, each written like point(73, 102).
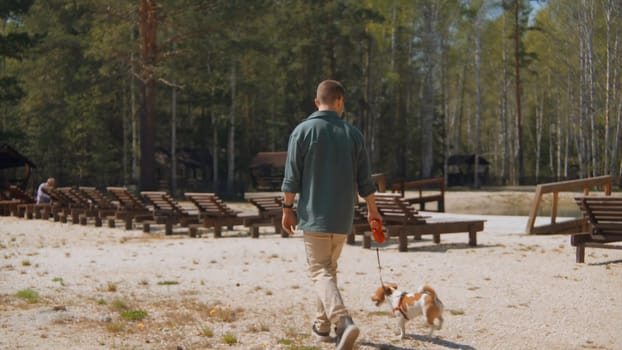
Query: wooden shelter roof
point(10, 158)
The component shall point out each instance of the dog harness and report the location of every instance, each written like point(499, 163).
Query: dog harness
point(399, 306)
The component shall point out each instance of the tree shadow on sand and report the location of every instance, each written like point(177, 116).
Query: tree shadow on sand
point(422, 338)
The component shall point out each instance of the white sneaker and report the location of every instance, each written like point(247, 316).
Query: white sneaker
point(321, 336)
point(347, 336)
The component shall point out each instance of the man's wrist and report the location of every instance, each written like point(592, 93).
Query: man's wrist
point(288, 206)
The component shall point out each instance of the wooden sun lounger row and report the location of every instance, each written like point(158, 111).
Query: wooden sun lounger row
point(82, 204)
point(206, 211)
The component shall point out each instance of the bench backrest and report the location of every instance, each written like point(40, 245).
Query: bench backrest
point(17, 193)
point(163, 203)
point(209, 204)
point(126, 199)
point(267, 205)
point(97, 198)
point(394, 208)
point(603, 215)
point(71, 197)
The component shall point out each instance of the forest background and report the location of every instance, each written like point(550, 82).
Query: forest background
point(93, 92)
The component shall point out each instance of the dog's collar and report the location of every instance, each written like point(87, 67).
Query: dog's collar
point(399, 306)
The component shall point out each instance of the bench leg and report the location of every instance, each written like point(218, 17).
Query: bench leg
point(146, 227)
point(217, 231)
point(580, 253)
point(437, 238)
point(168, 228)
point(254, 231)
point(472, 238)
point(367, 240)
point(111, 223)
point(441, 205)
point(350, 239)
point(98, 221)
point(74, 217)
point(83, 220)
point(128, 223)
point(192, 232)
point(403, 241)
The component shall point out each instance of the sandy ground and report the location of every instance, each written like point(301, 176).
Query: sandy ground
point(65, 286)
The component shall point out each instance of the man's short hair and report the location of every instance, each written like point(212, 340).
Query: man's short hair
point(329, 91)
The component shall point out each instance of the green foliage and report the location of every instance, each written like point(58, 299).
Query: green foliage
point(29, 295)
point(134, 315)
point(71, 84)
point(229, 339)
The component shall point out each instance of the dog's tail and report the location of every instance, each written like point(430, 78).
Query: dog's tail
point(426, 289)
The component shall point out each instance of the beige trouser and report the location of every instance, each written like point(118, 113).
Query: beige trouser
point(323, 251)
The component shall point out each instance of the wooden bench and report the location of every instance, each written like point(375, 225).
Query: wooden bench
point(216, 214)
point(130, 208)
point(401, 220)
point(28, 207)
point(102, 205)
point(429, 190)
point(167, 212)
point(75, 205)
point(603, 224)
point(270, 209)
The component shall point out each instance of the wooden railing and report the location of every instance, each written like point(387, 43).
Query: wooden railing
point(563, 186)
point(428, 190)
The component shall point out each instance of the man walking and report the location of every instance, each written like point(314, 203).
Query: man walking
point(327, 165)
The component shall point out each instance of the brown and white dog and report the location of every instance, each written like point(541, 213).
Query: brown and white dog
point(406, 306)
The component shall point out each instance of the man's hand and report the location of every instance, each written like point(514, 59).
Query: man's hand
point(289, 221)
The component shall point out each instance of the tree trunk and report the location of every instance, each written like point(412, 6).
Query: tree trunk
point(617, 108)
point(148, 32)
point(503, 113)
point(231, 133)
point(215, 151)
point(539, 109)
point(125, 132)
point(429, 95)
point(174, 141)
point(478, 93)
point(518, 141)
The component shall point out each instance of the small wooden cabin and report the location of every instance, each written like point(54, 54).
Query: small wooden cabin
point(267, 170)
point(460, 169)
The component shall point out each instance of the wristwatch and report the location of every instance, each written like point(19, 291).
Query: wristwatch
point(288, 206)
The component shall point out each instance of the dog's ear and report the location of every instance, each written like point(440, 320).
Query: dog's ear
point(389, 288)
point(378, 298)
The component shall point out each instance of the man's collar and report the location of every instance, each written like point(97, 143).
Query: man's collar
point(323, 114)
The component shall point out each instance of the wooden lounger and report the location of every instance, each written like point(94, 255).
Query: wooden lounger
point(167, 211)
point(402, 220)
point(216, 214)
point(130, 208)
point(603, 219)
point(270, 212)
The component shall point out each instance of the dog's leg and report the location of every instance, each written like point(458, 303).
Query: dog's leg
point(401, 325)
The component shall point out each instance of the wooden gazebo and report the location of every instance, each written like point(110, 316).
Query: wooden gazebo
point(10, 161)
